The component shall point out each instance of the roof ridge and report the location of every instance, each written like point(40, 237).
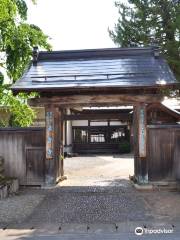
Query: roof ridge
point(102, 53)
point(100, 49)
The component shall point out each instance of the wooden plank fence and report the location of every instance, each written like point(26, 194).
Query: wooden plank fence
point(24, 152)
point(164, 152)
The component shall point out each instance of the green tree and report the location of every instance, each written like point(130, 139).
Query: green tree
point(21, 114)
point(145, 22)
point(17, 38)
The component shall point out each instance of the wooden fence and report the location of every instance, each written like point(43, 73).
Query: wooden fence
point(24, 152)
point(164, 152)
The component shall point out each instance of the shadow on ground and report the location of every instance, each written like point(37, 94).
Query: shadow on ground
point(86, 208)
point(117, 202)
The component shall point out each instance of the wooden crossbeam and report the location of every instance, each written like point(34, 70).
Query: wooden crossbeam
point(95, 116)
point(93, 100)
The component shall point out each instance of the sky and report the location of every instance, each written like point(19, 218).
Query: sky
point(75, 24)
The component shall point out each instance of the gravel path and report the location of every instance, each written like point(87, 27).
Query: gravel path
point(90, 205)
point(93, 197)
point(15, 209)
point(84, 205)
point(77, 205)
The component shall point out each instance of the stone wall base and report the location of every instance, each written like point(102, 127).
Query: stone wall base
point(8, 188)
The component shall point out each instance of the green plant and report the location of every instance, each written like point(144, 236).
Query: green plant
point(4, 123)
point(17, 38)
point(125, 147)
point(21, 113)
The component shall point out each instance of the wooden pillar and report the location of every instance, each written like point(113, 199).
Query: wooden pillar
point(140, 143)
point(69, 136)
point(61, 147)
point(52, 144)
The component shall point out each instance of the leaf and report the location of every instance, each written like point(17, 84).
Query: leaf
point(17, 38)
point(21, 114)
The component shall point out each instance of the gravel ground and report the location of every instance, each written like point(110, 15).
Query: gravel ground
point(94, 196)
point(93, 204)
point(15, 209)
point(90, 205)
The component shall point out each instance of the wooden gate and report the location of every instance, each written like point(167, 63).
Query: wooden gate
point(35, 169)
point(24, 152)
point(164, 152)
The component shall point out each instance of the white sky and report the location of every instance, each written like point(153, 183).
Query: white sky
point(75, 24)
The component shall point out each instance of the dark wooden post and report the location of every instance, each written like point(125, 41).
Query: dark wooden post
point(52, 144)
point(61, 146)
point(140, 143)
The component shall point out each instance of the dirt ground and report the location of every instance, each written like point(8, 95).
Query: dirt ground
point(98, 170)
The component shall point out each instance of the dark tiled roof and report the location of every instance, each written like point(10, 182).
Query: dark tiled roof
point(115, 67)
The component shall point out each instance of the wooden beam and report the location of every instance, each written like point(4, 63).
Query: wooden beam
point(142, 130)
point(96, 116)
point(49, 161)
point(62, 125)
point(58, 143)
point(93, 100)
point(140, 143)
point(52, 144)
point(49, 133)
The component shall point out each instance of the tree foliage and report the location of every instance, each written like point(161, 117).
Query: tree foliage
point(145, 22)
point(17, 38)
point(21, 114)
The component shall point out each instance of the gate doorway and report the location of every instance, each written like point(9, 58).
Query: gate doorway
point(101, 145)
point(98, 169)
point(100, 139)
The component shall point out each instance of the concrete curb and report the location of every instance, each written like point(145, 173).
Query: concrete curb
point(143, 187)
